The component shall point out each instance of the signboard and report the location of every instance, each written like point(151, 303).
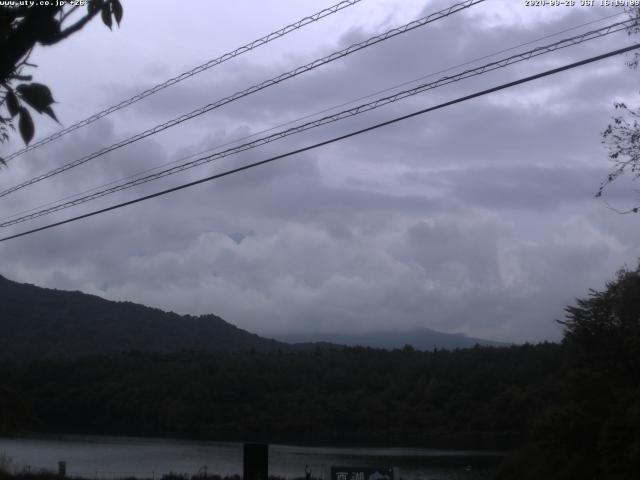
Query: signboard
point(357, 473)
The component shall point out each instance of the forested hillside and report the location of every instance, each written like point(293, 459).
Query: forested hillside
point(44, 323)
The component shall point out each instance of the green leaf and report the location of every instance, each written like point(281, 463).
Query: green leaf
point(36, 94)
point(12, 103)
point(25, 125)
point(106, 15)
point(116, 7)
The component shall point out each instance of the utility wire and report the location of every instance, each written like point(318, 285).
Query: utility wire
point(616, 27)
point(330, 141)
point(311, 115)
point(194, 71)
point(255, 88)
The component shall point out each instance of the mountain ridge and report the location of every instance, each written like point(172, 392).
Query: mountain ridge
point(41, 323)
point(418, 338)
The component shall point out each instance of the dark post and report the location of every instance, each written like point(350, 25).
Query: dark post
point(256, 461)
point(62, 469)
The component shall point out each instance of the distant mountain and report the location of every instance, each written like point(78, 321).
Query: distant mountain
point(420, 339)
point(40, 322)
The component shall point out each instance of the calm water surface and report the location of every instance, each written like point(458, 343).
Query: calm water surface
point(111, 457)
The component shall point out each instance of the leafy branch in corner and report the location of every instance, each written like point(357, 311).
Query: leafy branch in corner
point(21, 29)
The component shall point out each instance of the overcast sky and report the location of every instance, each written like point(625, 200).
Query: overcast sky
point(479, 218)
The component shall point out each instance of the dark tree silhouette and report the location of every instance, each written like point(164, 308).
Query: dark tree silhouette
point(605, 327)
point(592, 429)
point(602, 334)
point(21, 29)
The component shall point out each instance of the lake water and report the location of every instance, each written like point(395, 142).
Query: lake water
point(114, 457)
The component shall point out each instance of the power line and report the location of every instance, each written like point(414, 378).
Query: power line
point(332, 140)
point(194, 71)
point(255, 88)
point(575, 40)
point(311, 115)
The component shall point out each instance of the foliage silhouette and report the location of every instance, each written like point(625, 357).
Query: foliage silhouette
point(22, 28)
point(592, 430)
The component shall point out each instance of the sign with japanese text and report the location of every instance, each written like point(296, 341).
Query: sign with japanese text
point(357, 473)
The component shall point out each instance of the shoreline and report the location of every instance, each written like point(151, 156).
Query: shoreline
point(108, 458)
point(400, 450)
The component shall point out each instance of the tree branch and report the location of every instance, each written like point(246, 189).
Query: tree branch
point(73, 28)
point(37, 23)
point(65, 15)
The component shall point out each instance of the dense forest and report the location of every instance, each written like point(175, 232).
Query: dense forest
point(569, 410)
point(468, 398)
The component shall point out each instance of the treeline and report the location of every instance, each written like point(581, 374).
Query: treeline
point(473, 398)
